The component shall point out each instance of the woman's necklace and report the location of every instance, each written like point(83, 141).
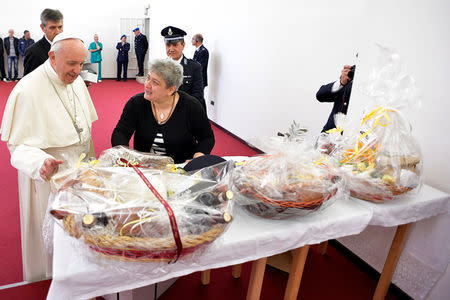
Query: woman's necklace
point(161, 114)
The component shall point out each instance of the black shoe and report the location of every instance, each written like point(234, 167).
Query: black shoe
point(117, 79)
point(6, 79)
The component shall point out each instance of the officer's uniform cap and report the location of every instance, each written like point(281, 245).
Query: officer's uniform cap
point(171, 33)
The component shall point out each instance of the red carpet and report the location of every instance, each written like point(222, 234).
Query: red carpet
point(326, 277)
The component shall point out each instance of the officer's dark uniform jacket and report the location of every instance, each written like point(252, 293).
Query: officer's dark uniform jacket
point(36, 55)
point(340, 98)
point(140, 44)
point(122, 54)
point(192, 79)
point(202, 56)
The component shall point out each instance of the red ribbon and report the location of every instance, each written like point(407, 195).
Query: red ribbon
point(173, 221)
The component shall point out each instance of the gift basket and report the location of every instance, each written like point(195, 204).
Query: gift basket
point(285, 184)
point(127, 210)
point(382, 159)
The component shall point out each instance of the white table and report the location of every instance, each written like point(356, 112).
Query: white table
point(248, 238)
point(401, 213)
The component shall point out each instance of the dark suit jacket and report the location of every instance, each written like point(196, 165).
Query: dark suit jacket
point(340, 99)
point(36, 55)
point(16, 45)
point(202, 56)
point(122, 55)
point(192, 79)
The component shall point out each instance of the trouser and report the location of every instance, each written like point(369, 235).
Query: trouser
point(121, 64)
point(99, 70)
point(13, 60)
point(2, 66)
point(140, 61)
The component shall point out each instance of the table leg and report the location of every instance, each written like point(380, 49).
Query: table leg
point(296, 272)
point(205, 277)
point(323, 248)
point(236, 271)
point(256, 279)
point(391, 261)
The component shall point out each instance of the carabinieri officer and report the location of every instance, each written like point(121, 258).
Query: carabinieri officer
point(140, 48)
point(192, 71)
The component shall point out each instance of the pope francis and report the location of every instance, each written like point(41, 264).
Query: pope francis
point(47, 124)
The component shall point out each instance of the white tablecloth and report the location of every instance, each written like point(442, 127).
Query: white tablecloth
point(410, 208)
point(248, 238)
point(426, 255)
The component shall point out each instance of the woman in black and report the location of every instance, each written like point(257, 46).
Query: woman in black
point(163, 120)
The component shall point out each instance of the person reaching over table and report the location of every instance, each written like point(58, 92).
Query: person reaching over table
point(163, 119)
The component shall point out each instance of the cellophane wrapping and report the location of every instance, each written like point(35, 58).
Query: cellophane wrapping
point(294, 181)
point(110, 208)
point(381, 159)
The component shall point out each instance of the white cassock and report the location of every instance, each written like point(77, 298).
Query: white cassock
point(44, 118)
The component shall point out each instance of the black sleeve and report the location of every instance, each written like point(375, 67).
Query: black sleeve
point(201, 129)
point(324, 94)
point(203, 59)
point(30, 61)
point(27, 62)
point(197, 82)
point(126, 125)
point(145, 44)
point(118, 46)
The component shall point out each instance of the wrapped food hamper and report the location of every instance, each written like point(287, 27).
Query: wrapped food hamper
point(127, 210)
point(382, 159)
point(285, 184)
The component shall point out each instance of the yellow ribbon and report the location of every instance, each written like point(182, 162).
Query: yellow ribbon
point(240, 163)
point(378, 114)
point(338, 130)
point(83, 164)
point(136, 221)
point(131, 223)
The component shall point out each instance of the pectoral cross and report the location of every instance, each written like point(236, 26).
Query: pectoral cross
point(78, 129)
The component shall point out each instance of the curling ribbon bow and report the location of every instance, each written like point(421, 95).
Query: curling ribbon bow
point(377, 114)
point(81, 163)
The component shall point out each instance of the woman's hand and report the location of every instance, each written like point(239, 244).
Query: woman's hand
point(197, 154)
point(49, 166)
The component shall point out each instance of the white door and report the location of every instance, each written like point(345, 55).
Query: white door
point(126, 27)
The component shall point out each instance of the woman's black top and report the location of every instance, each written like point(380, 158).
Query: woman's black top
point(186, 132)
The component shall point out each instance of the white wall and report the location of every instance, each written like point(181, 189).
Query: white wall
point(268, 58)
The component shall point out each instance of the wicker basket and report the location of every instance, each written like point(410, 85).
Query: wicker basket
point(129, 248)
point(376, 191)
point(307, 201)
